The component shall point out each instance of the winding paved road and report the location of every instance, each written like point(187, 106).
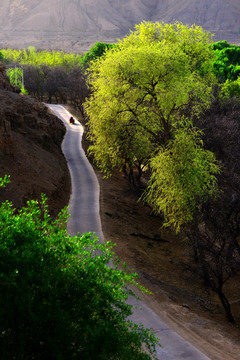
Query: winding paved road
point(84, 210)
point(84, 200)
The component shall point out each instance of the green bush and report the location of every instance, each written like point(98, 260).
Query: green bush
point(58, 298)
point(227, 61)
point(230, 89)
point(96, 52)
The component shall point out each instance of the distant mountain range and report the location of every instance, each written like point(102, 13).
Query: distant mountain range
point(75, 25)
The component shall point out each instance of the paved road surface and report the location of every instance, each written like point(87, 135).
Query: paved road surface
point(84, 210)
point(84, 201)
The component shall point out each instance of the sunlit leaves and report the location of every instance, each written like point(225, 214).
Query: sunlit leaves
point(5, 180)
point(143, 91)
point(33, 57)
point(142, 87)
point(183, 177)
point(16, 78)
point(230, 89)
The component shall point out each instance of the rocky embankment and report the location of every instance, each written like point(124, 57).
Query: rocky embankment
point(30, 150)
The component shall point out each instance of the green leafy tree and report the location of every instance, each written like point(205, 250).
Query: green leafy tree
point(226, 64)
point(59, 299)
point(155, 77)
point(219, 45)
point(183, 177)
point(96, 51)
point(142, 93)
point(230, 89)
point(16, 78)
point(37, 58)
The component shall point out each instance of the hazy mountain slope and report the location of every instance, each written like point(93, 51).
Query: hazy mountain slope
point(77, 24)
point(216, 16)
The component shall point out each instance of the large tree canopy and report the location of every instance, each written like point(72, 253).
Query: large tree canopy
point(141, 88)
point(157, 76)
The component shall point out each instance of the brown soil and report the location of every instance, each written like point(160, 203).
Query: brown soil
point(30, 150)
point(163, 261)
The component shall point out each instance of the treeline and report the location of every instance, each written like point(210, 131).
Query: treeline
point(52, 76)
point(56, 76)
point(57, 84)
point(52, 58)
point(61, 77)
point(34, 57)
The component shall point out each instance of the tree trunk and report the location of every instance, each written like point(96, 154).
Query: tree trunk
point(131, 177)
point(226, 305)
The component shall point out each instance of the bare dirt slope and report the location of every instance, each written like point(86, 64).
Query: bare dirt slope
point(30, 150)
point(75, 25)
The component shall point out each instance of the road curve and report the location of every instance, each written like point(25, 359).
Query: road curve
point(84, 200)
point(84, 210)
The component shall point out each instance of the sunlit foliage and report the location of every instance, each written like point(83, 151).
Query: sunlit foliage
point(31, 56)
point(16, 78)
point(183, 177)
point(156, 77)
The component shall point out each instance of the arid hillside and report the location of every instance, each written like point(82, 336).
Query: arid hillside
point(30, 150)
point(74, 25)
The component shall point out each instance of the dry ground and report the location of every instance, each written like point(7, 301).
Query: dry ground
point(162, 261)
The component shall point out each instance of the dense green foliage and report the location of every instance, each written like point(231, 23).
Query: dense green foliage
point(33, 57)
point(16, 78)
point(183, 175)
point(53, 58)
point(230, 89)
point(226, 65)
point(59, 299)
point(96, 51)
point(48, 75)
point(157, 77)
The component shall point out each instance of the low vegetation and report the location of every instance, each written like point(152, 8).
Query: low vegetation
point(59, 298)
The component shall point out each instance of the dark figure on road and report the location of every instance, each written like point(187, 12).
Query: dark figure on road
point(71, 120)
